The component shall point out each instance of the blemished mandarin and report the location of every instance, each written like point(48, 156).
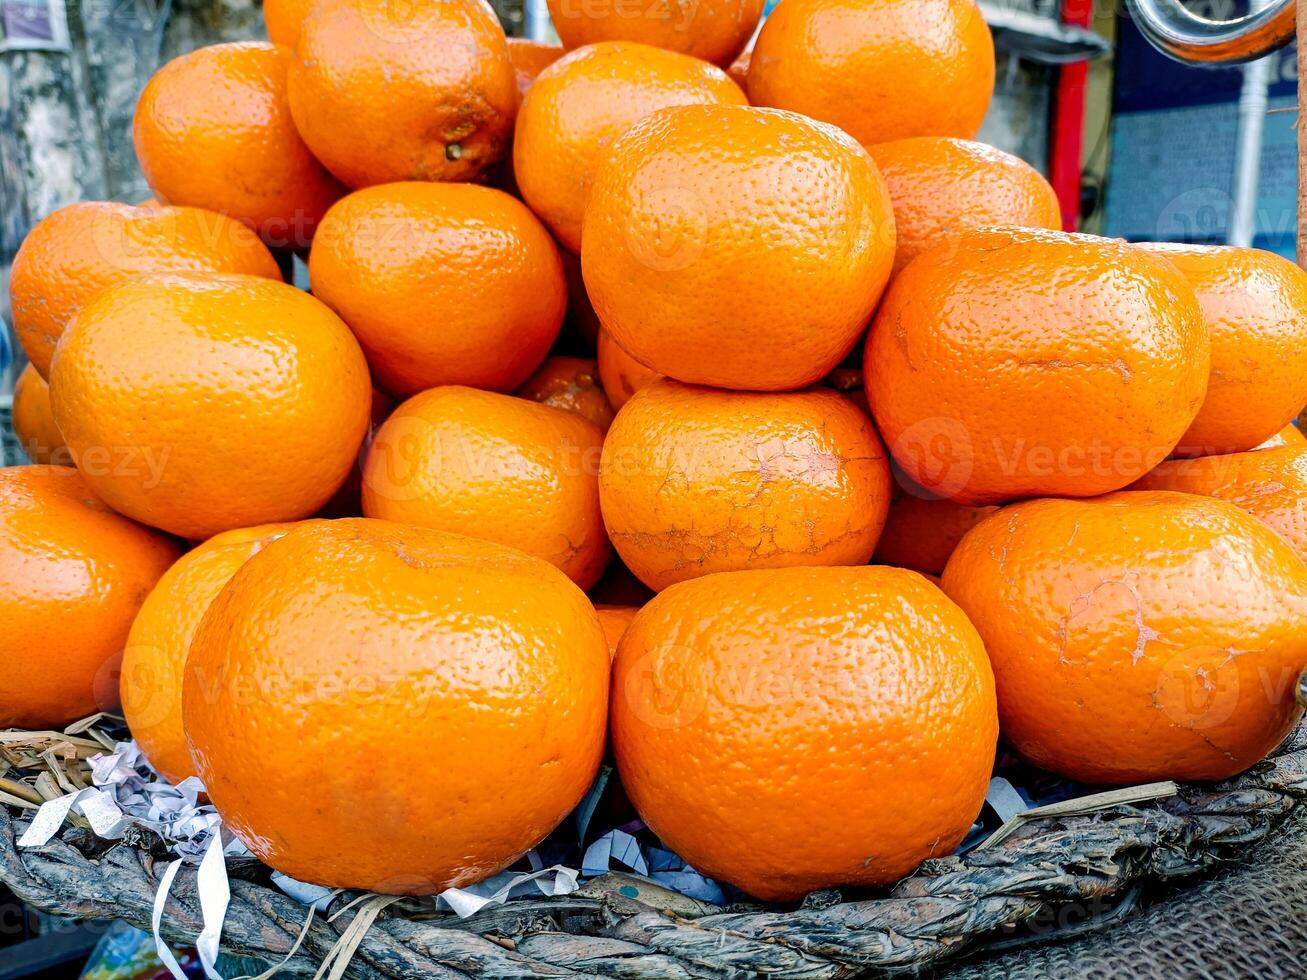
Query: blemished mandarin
point(33, 421)
point(441, 283)
point(701, 278)
point(212, 129)
point(921, 533)
point(530, 58)
point(714, 30)
point(376, 645)
point(80, 249)
point(620, 374)
point(154, 659)
point(571, 383)
point(802, 728)
point(283, 18)
point(881, 70)
point(244, 403)
point(941, 185)
point(498, 467)
point(1270, 484)
point(1255, 303)
point(584, 101)
point(72, 575)
point(1012, 362)
point(384, 93)
point(696, 480)
point(1137, 636)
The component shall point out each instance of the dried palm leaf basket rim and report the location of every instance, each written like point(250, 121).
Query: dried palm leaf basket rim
point(1083, 861)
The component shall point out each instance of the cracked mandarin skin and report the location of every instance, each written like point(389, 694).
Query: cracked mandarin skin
point(1011, 362)
point(497, 467)
point(1270, 484)
point(244, 403)
point(570, 383)
point(80, 249)
point(696, 480)
point(581, 104)
point(1137, 636)
point(441, 283)
point(699, 277)
point(72, 575)
point(34, 422)
point(212, 129)
point(620, 373)
point(920, 533)
point(941, 185)
point(447, 696)
point(384, 93)
point(881, 70)
point(803, 728)
point(154, 659)
point(1255, 303)
point(713, 30)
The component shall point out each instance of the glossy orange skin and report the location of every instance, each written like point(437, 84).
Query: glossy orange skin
point(283, 18)
point(72, 575)
point(802, 728)
point(1290, 435)
point(1013, 362)
point(1255, 303)
point(382, 93)
point(212, 129)
point(615, 620)
point(80, 249)
point(570, 383)
point(501, 468)
point(695, 480)
point(530, 58)
point(154, 659)
point(244, 403)
point(1137, 636)
point(376, 645)
point(941, 185)
point(620, 374)
point(702, 278)
point(441, 283)
point(582, 103)
point(881, 70)
point(1270, 484)
point(714, 30)
point(921, 533)
point(34, 423)
point(739, 69)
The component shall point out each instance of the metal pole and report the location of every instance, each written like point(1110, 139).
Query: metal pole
point(1302, 136)
point(1248, 150)
point(537, 20)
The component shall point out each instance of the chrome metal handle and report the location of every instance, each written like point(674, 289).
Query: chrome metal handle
point(1185, 36)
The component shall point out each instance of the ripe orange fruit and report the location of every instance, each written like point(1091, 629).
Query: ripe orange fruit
point(497, 467)
point(615, 620)
point(1137, 636)
point(750, 707)
point(383, 93)
point(1013, 363)
point(373, 643)
point(441, 283)
point(283, 18)
point(920, 533)
point(78, 250)
point(1255, 303)
point(940, 185)
point(160, 639)
point(72, 575)
point(702, 278)
point(34, 423)
point(1290, 435)
point(620, 374)
point(739, 69)
point(1270, 484)
point(879, 69)
point(570, 383)
point(714, 30)
point(530, 58)
point(213, 129)
point(583, 102)
point(695, 480)
point(243, 403)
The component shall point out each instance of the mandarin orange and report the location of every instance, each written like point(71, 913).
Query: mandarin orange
point(571, 383)
point(34, 422)
point(714, 30)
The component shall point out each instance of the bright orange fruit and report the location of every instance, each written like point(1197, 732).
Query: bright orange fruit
point(441, 283)
point(34, 422)
point(1290, 435)
point(1137, 636)
point(530, 58)
point(921, 533)
point(695, 480)
point(615, 620)
point(801, 728)
point(244, 403)
point(620, 374)
point(371, 643)
point(283, 18)
point(571, 383)
point(714, 30)
point(1012, 362)
point(702, 278)
point(72, 576)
